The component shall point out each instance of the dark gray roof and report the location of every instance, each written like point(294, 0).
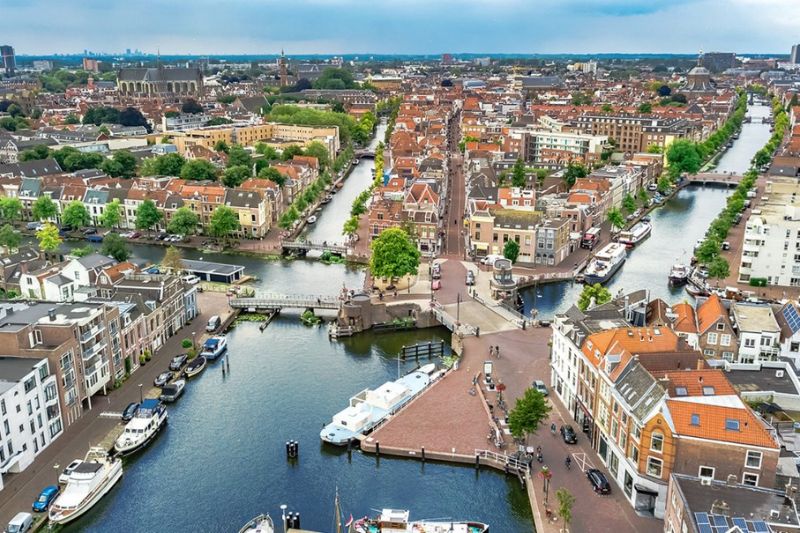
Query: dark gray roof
point(537, 82)
point(96, 261)
point(15, 368)
point(639, 389)
point(41, 167)
point(242, 198)
point(159, 74)
point(211, 268)
point(766, 380)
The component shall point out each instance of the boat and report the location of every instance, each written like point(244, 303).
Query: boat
point(640, 231)
point(397, 521)
point(143, 427)
point(173, 391)
point(326, 199)
point(312, 219)
point(195, 366)
point(214, 347)
point(87, 484)
point(369, 407)
point(605, 263)
point(260, 524)
point(678, 274)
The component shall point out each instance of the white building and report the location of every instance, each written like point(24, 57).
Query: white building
point(759, 333)
point(30, 417)
point(771, 248)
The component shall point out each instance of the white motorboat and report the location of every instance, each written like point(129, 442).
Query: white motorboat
point(369, 407)
point(87, 484)
point(172, 391)
point(143, 427)
point(260, 524)
point(635, 235)
point(397, 521)
point(214, 347)
point(678, 274)
point(605, 264)
point(195, 366)
point(311, 220)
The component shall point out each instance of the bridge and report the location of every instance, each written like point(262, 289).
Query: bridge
point(276, 302)
point(303, 247)
point(715, 178)
point(365, 153)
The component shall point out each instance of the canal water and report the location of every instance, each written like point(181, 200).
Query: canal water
point(677, 226)
point(222, 459)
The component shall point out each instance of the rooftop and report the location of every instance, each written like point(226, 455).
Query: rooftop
point(764, 379)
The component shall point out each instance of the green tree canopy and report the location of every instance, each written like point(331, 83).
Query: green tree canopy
point(10, 208)
point(573, 173)
point(394, 254)
point(645, 108)
point(511, 250)
point(335, 78)
point(271, 173)
point(111, 215)
point(616, 219)
point(75, 215)
point(37, 152)
point(529, 411)
point(165, 165)
point(236, 175)
point(683, 156)
point(629, 203)
point(565, 502)
point(115, 246)
point(44, 208)
point(221, 146)
point(318, 150)
point(173, 260)
point(191, 107)
point(269, 153)
point(147, 215)
point(199, 169)
point(290, 151)
point(600, 294)
point(239, 156)
point(183, 222)
point(350, 226)
point(518, 178)
point(9, 237)
point(49, 239)
point(223, 222)
point(719, 268)
point(121, 165)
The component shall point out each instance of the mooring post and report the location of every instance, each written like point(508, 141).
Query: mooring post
point(477, 461)
point(423, 454)
point(377, 448)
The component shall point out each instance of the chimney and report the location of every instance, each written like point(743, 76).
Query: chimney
point(700, 364)
point(52, 314)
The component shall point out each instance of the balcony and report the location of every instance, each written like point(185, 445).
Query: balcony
point(92, 332)
point(96, 348)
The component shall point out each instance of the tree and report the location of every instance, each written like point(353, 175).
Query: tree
point(165, 165)
point(528, 412)
point(646, 107)
point(335, 78)
point(183, 222)
point(271, 173)
point(719, 268)
point(600, 294)
point(37, 152)
point(708, 250)
point(616, 219)
point(683, 156)
point(72, 118)
point(643, 197)
point(111, 215)
point(606, 108)
point(350, 226)
point(239, 156)
point(290, 151)
point(121, 165)
point(130, 116)
point(199, 169)
point(82, 251)
point(191, 107)
point(80, 161)
point(234, 176)
point(518, 178)
point(629, 203)
point(318, 150)
point(49, 239)
point(565, 502)
point(511, 250)
point(147, 215)
point(115, 246)
point(44, 208)
point(75, 215)
point(394, 254)
point(664, 90)
point(10, 208)
point(173, 261)
point(9, 237)
point(663, 184)
point(269, 153)
point(223, 221)
point(654, 149)
point(221, 146)
point(573, 173)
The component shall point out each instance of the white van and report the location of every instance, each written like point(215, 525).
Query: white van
point(490, 259)
point(213, 323)
point(20, 523)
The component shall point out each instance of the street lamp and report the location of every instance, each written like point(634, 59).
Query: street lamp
point(56, 467)
point(141, 399)
point(194, 348)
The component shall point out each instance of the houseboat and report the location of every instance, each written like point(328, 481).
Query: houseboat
point(639, 232)
point(605, 264)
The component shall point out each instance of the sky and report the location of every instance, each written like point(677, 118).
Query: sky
point(399, 26)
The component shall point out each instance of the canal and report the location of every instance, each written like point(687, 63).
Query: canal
point(222, 461)
point(677, 225)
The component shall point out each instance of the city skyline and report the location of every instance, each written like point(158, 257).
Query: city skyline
point(414, 27)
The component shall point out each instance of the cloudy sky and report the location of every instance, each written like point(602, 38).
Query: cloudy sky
point(400, 26)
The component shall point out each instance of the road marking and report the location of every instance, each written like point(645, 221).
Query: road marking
point(107, 414)
point(582, 460)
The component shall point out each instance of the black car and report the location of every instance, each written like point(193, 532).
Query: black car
point(130, 411)
point(163, 378)
point(598, 480)
point(568, 434)
point(178, 361)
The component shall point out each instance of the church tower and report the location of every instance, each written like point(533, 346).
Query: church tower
point(284, 70)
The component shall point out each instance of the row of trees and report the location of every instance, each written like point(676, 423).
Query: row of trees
point(359, 206)
point(130, 116)
point(350, 130)
point(763, 156)
point(303, 200)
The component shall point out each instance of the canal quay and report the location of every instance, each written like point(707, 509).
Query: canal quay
point(222, 458)
point(677, 225)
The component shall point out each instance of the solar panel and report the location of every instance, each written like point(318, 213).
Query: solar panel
point(705, 528)
point(792, 317)
point(701, 518)
point(719, 520)
point(760, 525)
point(741, 523)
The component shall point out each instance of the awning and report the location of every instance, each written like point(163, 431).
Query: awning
point(644, 490)
point(480, 245)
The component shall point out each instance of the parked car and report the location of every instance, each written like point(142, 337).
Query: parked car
point(64, 477)
point(436, 284)
point(436, 271)
point(213, 324)
point(540, 386)
point(94, 237)
point(130, 411)
point(45, 498)
point(569, 435)
point(598, 480)
point(190, 279)
point(178, 361)
point(490, 259)
point(89, 231)
point(21, 523)
point(162, 236)
point(163, 378)
point(134, 235)
point(36, 226)
point(470, 277)
point(652, 187)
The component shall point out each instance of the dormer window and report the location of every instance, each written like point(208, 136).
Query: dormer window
point(731, 424)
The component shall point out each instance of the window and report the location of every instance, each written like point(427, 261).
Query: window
point(635, 455)
point(725, 340)
point(750, 479)
point(30, 384)
point(731, 424)
point(681, 391)
point(654, 466)
point(720, 326)
point(695, 420)
point(707, 472)
point(712, 338)
point(657, 442)
point(753, 459)
point(708, 391)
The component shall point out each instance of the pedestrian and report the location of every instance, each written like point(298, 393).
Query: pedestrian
point(497, 351)
point(491, 350)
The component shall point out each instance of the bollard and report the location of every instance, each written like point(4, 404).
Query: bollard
point(477, 461)
point(423, 454)
point(377, 448)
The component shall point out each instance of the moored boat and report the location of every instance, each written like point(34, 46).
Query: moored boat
point(87, 484)
point(173, 391)
point(311, 220)
point(678, 274)
point(605, 264)
point(195, 366)
point(397, 521)
point(143, 427)
point(635, 235)
point(214, 347)
point(260, 524)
